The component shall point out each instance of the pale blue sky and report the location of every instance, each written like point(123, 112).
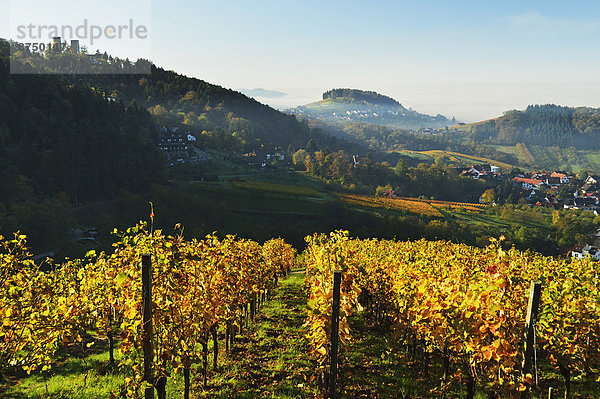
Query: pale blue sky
point(469, 59)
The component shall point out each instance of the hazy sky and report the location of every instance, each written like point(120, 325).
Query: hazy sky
point(468, 59)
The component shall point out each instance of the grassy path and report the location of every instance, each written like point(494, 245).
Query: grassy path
point(270, 359)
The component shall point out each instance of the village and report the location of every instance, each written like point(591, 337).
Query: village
point(556, 189)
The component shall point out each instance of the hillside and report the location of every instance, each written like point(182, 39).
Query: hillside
point(352, 105)
point(81, 151)
point(61, 145)
point(361, 96)
point(220, 117)
point(539, 125)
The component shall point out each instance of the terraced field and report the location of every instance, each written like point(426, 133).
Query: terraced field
point(456, 157)
point(413, 205)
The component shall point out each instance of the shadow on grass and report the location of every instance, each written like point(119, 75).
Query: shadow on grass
point(270, 360)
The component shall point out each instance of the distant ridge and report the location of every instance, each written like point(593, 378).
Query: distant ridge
point(370, 97)
point(354, 105)
point(542, 125)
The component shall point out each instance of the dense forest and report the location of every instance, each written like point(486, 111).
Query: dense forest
point(61, 145)
point(219, 117)
point(540, 125)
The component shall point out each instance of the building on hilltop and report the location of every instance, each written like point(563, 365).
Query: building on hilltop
point(75, 46)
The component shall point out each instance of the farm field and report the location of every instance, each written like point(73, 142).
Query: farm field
point(273, 331)
point(531, 157)
point(456, 157)
point(285, 189)
point(270, 359)
point(414, 205)
point(418, 207)
point(511, 150)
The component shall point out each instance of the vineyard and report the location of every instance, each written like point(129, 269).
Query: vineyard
point(461, 306)
point(525, 154)
point(458, 157)
point(454, 312)
point(198, 287)
point(470, 206)
point(416, 206)
point(413, 205)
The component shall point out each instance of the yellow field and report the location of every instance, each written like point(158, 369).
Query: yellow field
point(420, 207)
point(458, 157)
point(448, 204)
point(414, 205)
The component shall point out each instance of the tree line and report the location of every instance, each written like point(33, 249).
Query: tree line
point(541, 125)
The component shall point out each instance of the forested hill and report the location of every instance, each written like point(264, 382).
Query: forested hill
point(540, 125)
point(361, 95)
point(61, 145)
point(222, 118)
point(219, 117)
point(352, 105)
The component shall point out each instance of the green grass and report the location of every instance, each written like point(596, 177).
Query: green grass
point(72, 377)
point(270, 360)
point(593, 157)
point(286, 189)
point(517, 216)
point(419, 157)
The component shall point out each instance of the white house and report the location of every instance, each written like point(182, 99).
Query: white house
point(563, 178)
point(528, 183)
point(580, 252)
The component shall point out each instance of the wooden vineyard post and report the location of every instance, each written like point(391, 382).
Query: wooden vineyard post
point(111, 341)
point(535, 293)
point(147, 323)
point(205, 360)
point(215, 338)
point(335, 330)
